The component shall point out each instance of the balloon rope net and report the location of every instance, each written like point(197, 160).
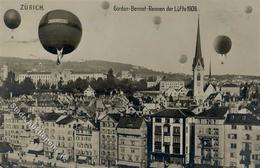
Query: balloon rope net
point(59, 56)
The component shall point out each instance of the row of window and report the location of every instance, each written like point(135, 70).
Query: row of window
point(167, 120)
point(246, 127)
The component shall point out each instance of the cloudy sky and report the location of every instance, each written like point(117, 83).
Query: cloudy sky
point(131, 37)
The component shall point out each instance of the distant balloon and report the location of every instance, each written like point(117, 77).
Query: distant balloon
point(105, 5)
point(183, 59)
point(249, 9)
point(222, 45)
point(60, 32)
point(12, 18)
point(157, 21)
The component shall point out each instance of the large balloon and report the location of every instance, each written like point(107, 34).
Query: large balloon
point(183, 59)
point(222, 45)
point(60, 32)
point(12, 18)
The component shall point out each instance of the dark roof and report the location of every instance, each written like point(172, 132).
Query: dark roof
point(242, 119)
point(174, 113)
point(207, 85)
point(51, 116)
point(5, 147)
point(198, 53)
point(213, 96)
point(66, 120)
point(115, 116)
point(230, 85)
point(214, 112)
point(132, 122)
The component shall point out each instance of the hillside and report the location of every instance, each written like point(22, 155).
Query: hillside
point(19, 65)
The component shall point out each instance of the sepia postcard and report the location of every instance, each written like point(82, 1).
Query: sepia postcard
point(130, 84)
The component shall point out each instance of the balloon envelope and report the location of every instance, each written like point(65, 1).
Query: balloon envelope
point(105, 5)
point(249, 9)
point(157, 20)
point(222, 44)
point(12, 18)
point(183, 59)
point(60, 29)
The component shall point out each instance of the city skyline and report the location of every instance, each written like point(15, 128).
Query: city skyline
point(105, 33)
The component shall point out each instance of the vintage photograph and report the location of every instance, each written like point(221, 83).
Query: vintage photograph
point(130, 84)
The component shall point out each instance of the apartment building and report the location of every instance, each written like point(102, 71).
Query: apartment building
point(108, 139)
point(165, 85)
point(172, 138)
point(132, 142)
point(209, 137)
point(242, 139)
point(87, 143)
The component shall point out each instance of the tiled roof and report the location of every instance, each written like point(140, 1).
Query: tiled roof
point(131, 122)
point(51, 116)
point(174, 113)
point(242, 119)
point(115, 116)
point(214, 112)
point(65, 120)
point(5, 147)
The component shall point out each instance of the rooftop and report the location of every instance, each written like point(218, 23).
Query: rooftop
point(174, 113)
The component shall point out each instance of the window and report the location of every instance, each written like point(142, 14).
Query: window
point(232, 136)
point(233, 146)
point(158, 130)
point(247, 137)
point(248, 127)
point(198, 77)
point(233, 126)
point(258, 137)
point(158, 120)
point(167, 120)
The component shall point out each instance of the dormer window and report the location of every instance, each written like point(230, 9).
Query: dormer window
point(198, 77)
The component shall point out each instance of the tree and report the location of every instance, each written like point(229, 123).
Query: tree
point(170, 98)
point(27, 86)
point(39, 84)
point(53, 86)
point(60, 83)
point(110, 75)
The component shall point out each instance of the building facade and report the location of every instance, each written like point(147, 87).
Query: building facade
point(108, 139)
point(210, 137)
point(172, 138)
point(132, 142)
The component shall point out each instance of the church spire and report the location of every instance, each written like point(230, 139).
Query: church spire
point(198, 53)
point(210, 70)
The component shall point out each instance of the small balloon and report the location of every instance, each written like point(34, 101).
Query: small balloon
point(222, 44)
point(249, 9)
point(157, 21)
point(183, 59)
point(12, 18)
point(105, 5)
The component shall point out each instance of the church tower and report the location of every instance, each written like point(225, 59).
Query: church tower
point(198, 70)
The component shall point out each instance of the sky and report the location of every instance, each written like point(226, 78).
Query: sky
point(132, 37)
